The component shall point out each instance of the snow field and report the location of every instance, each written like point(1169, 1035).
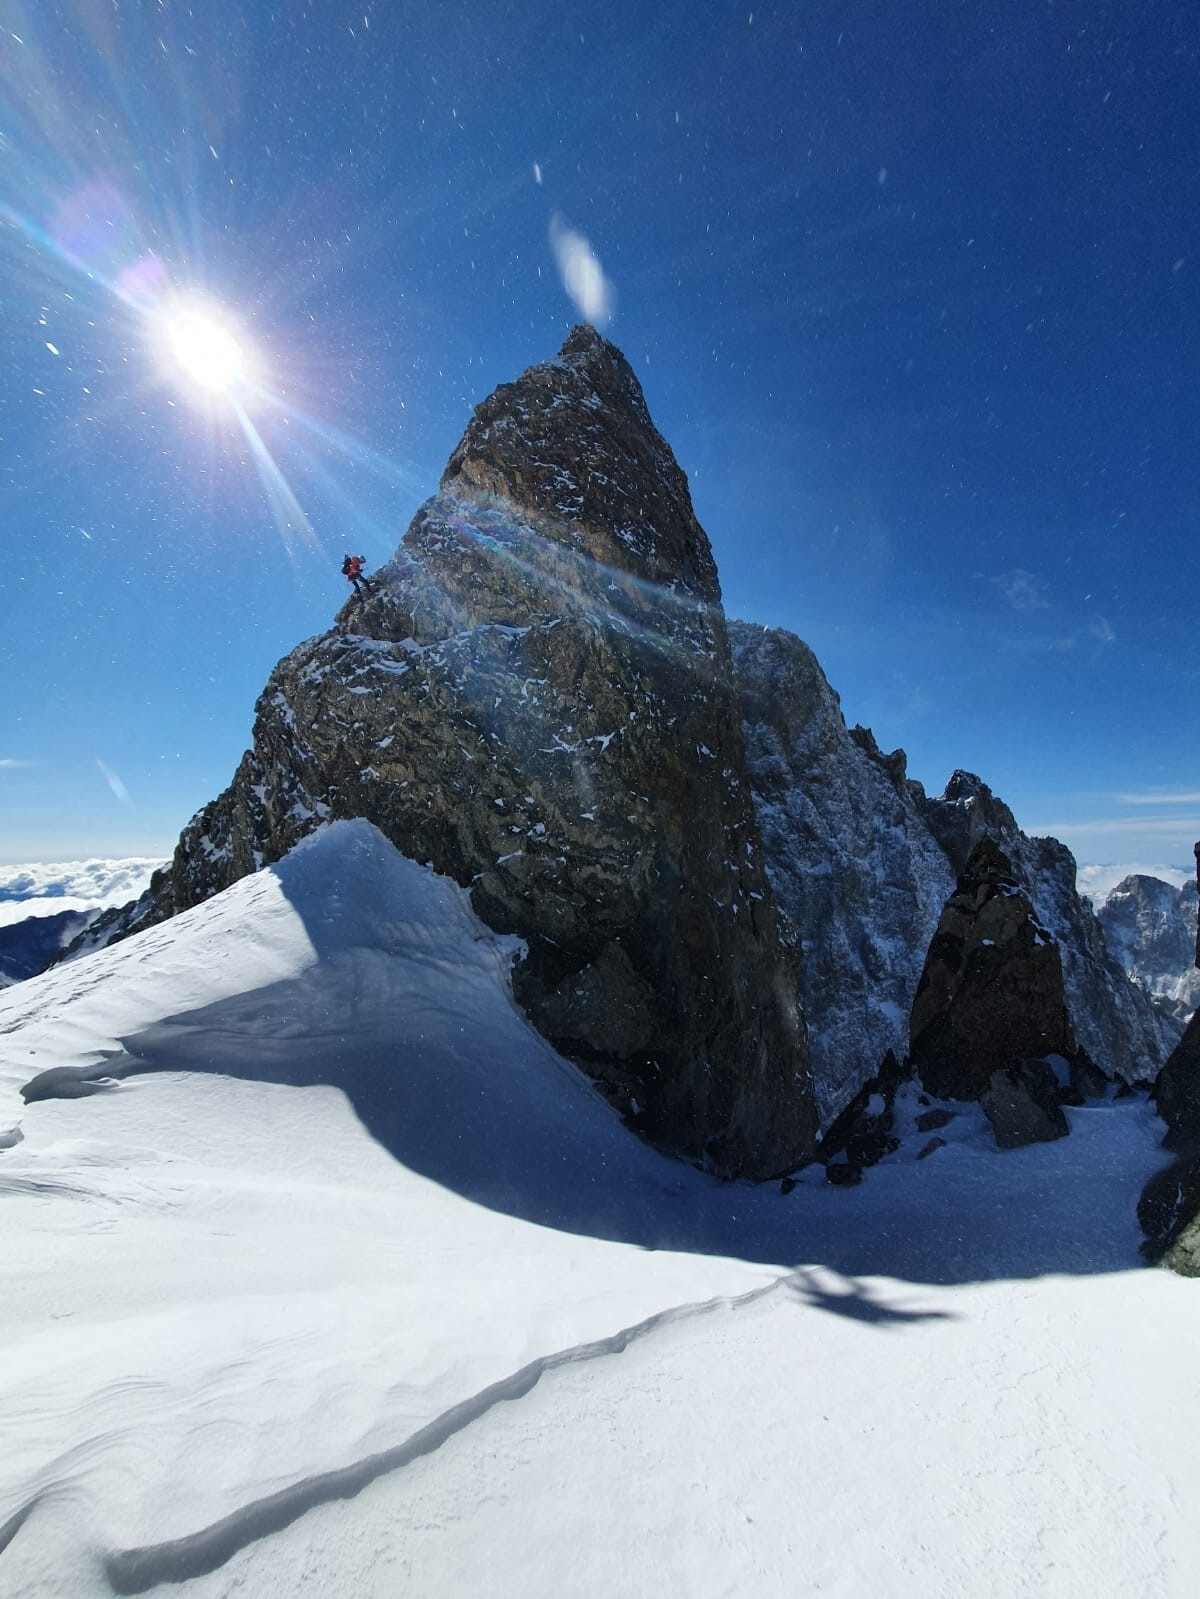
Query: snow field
point(248, 1348)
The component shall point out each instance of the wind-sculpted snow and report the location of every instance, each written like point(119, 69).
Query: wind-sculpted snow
point(133, 1571)
point(250, 1349)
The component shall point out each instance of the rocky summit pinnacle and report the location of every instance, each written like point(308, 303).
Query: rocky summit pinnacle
point(537, 698)
point(571, 442)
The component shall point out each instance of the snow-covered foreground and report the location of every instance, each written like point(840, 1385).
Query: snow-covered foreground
point(502, 1347)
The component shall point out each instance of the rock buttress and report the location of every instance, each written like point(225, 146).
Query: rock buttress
point(537, 699)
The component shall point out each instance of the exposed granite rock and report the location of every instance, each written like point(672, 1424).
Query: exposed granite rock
point(1022, 1104)
point(1177, 1088)
point(862, 861)
point(1177, 1091)
point(1086, 1080)
point(965, 812)
point(849, 856)
point(1169, 1209)
point(1169, 1213)
point(1112, 1019)
point(537, 699)
point(863, 1132)
point(991, 994)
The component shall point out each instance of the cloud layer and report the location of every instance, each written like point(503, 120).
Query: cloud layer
point(97, 882)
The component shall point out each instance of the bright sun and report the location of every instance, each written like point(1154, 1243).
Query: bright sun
point(204, 349)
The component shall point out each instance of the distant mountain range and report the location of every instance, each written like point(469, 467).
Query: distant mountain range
point(44, 906)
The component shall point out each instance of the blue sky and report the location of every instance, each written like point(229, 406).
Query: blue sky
point(912, 291)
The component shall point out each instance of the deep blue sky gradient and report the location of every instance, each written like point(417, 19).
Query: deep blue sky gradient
point(912, 291)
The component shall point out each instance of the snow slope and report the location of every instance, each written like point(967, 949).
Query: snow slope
point(246, 1347)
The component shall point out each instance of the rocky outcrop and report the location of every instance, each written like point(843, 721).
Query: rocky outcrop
point(862, 861)
point(864, 1132)
point(540, 698)
point(991, 994)
point(849, 855)
point(1112, 1019)
point(1169, 1214)
point(1177, 1088)
point(1022, 1104)
point(1150, 927)
point(1169, 1209)
point(966, 812)
point(537, 699)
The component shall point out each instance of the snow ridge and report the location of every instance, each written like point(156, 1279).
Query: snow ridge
point(134, 1571)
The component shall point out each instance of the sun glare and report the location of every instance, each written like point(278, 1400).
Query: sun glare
point(203, 349)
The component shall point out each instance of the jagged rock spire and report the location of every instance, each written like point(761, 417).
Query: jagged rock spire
point(572, 443)
point(537, 699)
point(991, 994)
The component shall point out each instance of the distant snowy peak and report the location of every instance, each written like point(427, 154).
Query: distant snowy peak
point(1150, 926)
point(1097, 881)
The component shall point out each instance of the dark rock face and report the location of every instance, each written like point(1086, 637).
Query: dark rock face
point(1117, 1023)
point(862, 862)
point(29, 946)
point(1169, 1209)
point(541, 697)
point(1022, 1104)
point(991, 994)
point(1087, 1081)
point(1169, 1213)
point(965, 812)
point(1177, 1091)
point(1177, 1088)
point(537, 699)
point(863, 1133)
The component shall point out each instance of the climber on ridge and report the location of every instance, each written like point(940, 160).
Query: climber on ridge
point(352, 568)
